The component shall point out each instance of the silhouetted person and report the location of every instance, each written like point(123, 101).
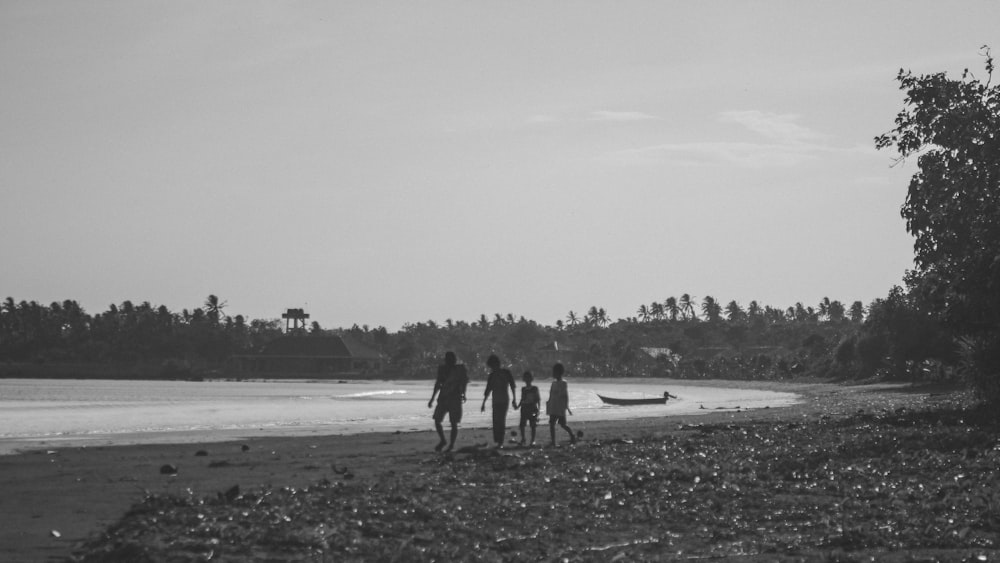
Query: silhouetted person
point(558, 404)
point(531, 399)
point(497, 383)
point(452, 380)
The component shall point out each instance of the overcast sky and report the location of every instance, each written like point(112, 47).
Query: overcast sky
point(389, 162)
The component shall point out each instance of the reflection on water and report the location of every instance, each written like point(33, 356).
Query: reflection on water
point(53, 412)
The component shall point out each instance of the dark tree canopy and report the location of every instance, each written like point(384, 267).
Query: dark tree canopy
point(953, 204)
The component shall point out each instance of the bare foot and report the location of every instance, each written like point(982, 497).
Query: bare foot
point(440, 445)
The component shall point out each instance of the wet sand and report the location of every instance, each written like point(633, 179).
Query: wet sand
point(54, 499)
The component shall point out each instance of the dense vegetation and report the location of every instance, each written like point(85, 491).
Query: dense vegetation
point(952, 209)
point(678, 338)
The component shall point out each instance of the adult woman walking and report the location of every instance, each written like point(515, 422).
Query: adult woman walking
point(497, 383)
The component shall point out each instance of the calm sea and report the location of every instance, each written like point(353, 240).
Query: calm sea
point(37, 413)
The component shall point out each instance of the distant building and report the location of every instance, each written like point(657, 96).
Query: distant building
point(312, 354)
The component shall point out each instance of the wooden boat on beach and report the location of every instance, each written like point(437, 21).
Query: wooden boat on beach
point(644, 401)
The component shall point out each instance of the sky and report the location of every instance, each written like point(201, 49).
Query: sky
point(384, 163)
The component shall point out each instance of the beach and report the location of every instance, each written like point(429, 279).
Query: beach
point(56, 499)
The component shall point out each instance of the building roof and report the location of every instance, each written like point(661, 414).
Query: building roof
point(316, 346)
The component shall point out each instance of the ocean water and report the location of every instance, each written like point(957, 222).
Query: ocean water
point(38, 413)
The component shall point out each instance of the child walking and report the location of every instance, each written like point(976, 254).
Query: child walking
point(530, 401)
point(558, 404)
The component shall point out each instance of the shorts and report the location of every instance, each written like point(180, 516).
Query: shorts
point(560, 420)
point(529, 415)
point(454, 411)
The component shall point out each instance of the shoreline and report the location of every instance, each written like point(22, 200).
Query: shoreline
point(57, 498)
point(225, 426)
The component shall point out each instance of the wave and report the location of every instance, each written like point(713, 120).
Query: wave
point(367, 394)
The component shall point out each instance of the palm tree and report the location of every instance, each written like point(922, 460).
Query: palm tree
point(711, 309)
point(657, 311)
point(671, 308)
point(824, 307)
point(602, 317)
point(572, 319)
point(643, 313)
point(734, 312)
point(213, 308)
point(753, 310)
point(484, 321)
point(687, 307)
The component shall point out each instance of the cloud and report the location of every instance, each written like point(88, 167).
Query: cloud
point(748, 155)
point(740, 154)
point(786, 144)
point(780, 128)
point(620, 116)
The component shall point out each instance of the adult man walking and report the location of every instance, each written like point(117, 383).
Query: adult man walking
point(452, 379)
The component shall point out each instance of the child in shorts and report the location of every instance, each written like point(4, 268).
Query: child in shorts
point(530, 401)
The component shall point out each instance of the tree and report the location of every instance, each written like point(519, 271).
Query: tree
point(734, 312)
point(952, 207)
point(711, 309)
point(656, 310)
point(671, 308)
point(213, 308)
point(835, 311)
point(687, 307)
point(643, 313)
point(857, 312)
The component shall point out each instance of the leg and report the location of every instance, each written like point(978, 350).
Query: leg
point(454, 435)
point(572, 437)
point(440, 431)
point(552, 429)
point(521, 428)
point(533, 426)
point(499, 423)
point(454, 417)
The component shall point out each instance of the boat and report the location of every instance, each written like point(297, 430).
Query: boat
point(644, 401)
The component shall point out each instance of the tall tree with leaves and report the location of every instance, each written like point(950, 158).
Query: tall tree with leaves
point(687, 307)
point(671, 308)
point(952, 206)
point(711, 309)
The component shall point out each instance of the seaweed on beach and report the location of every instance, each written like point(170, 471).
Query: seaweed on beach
point(894, 485)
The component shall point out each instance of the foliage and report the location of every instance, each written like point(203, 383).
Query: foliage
point(759, 343)
point(953, 202)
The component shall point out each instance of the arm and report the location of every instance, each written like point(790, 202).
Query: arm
point(513, 390)
point(489, 388)
point(437, 387)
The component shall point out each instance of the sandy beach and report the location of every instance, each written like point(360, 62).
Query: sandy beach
point(55, 499)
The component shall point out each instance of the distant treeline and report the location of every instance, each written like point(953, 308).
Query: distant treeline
point(674, 338)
